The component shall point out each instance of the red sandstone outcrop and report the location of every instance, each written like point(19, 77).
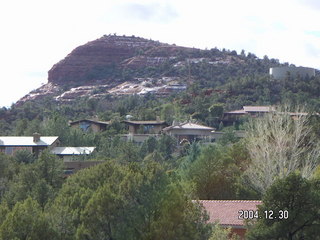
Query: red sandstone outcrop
point(96, 59)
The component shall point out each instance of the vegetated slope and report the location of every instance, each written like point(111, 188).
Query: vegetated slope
point(132, 65)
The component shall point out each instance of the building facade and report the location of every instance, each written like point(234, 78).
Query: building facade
point(189, 132)
point(87, 125)
point(282, 73)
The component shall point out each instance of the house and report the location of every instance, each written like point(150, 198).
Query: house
point(256, 111)
point(72, 153)
point(139, 131)
point(189, 132)
point(146, 127)
point(231, 213)
point(87, 124)
point(252, 111)
point(34, 144)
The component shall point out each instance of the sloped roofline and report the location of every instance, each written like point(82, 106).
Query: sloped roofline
point(182, 126)
point(151, 122)
point(90, 120)
point(27, 141)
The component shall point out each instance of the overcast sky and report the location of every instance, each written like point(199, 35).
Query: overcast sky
point(36, 34)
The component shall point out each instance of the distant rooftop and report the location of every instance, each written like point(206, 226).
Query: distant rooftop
point(90, 120)
point(258, 108)
point(252, 109)
point(26, 141)
point(264, 109)
point(189, 125)
point(226, 212)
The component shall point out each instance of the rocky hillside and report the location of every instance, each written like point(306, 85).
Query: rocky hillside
point(133, 65)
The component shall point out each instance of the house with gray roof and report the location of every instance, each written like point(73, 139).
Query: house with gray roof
point(34, 144)
point(189, 132)
point(88, 124)
point(146, 127)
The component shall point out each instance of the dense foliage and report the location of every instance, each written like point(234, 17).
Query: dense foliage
point(290, 210)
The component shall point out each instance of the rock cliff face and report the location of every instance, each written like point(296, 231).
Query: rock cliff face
point(97, 59)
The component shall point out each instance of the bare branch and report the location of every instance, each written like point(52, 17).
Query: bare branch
point(280, 143)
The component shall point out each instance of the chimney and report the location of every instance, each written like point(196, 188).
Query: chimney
point(36, 137)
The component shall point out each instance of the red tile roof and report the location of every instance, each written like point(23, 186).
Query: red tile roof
point(227, 211)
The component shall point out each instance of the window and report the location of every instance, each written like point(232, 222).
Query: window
point(84, 126)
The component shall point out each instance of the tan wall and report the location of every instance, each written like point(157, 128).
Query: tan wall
point(155, 130)
point(133, 129)
point(140, 138)
point(95, 128)
point(190, 132)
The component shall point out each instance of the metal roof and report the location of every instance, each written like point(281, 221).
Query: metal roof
point(72, 150)
point(26, 141)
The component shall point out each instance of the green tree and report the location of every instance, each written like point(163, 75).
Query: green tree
point(26, 221)
point(21, 126)
point(149, 146)
point(4, 210)
point(219, 233)
point(66, 210)
point(57, 125)
point(34, 126)
point(168, 112)
point(39, 180)
point(24, 156)
point(214, 173)
point(103, 216)
point(127, 201)
point(301, 199)
point(50, 168)
point(167, 145)
point(179, 217)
